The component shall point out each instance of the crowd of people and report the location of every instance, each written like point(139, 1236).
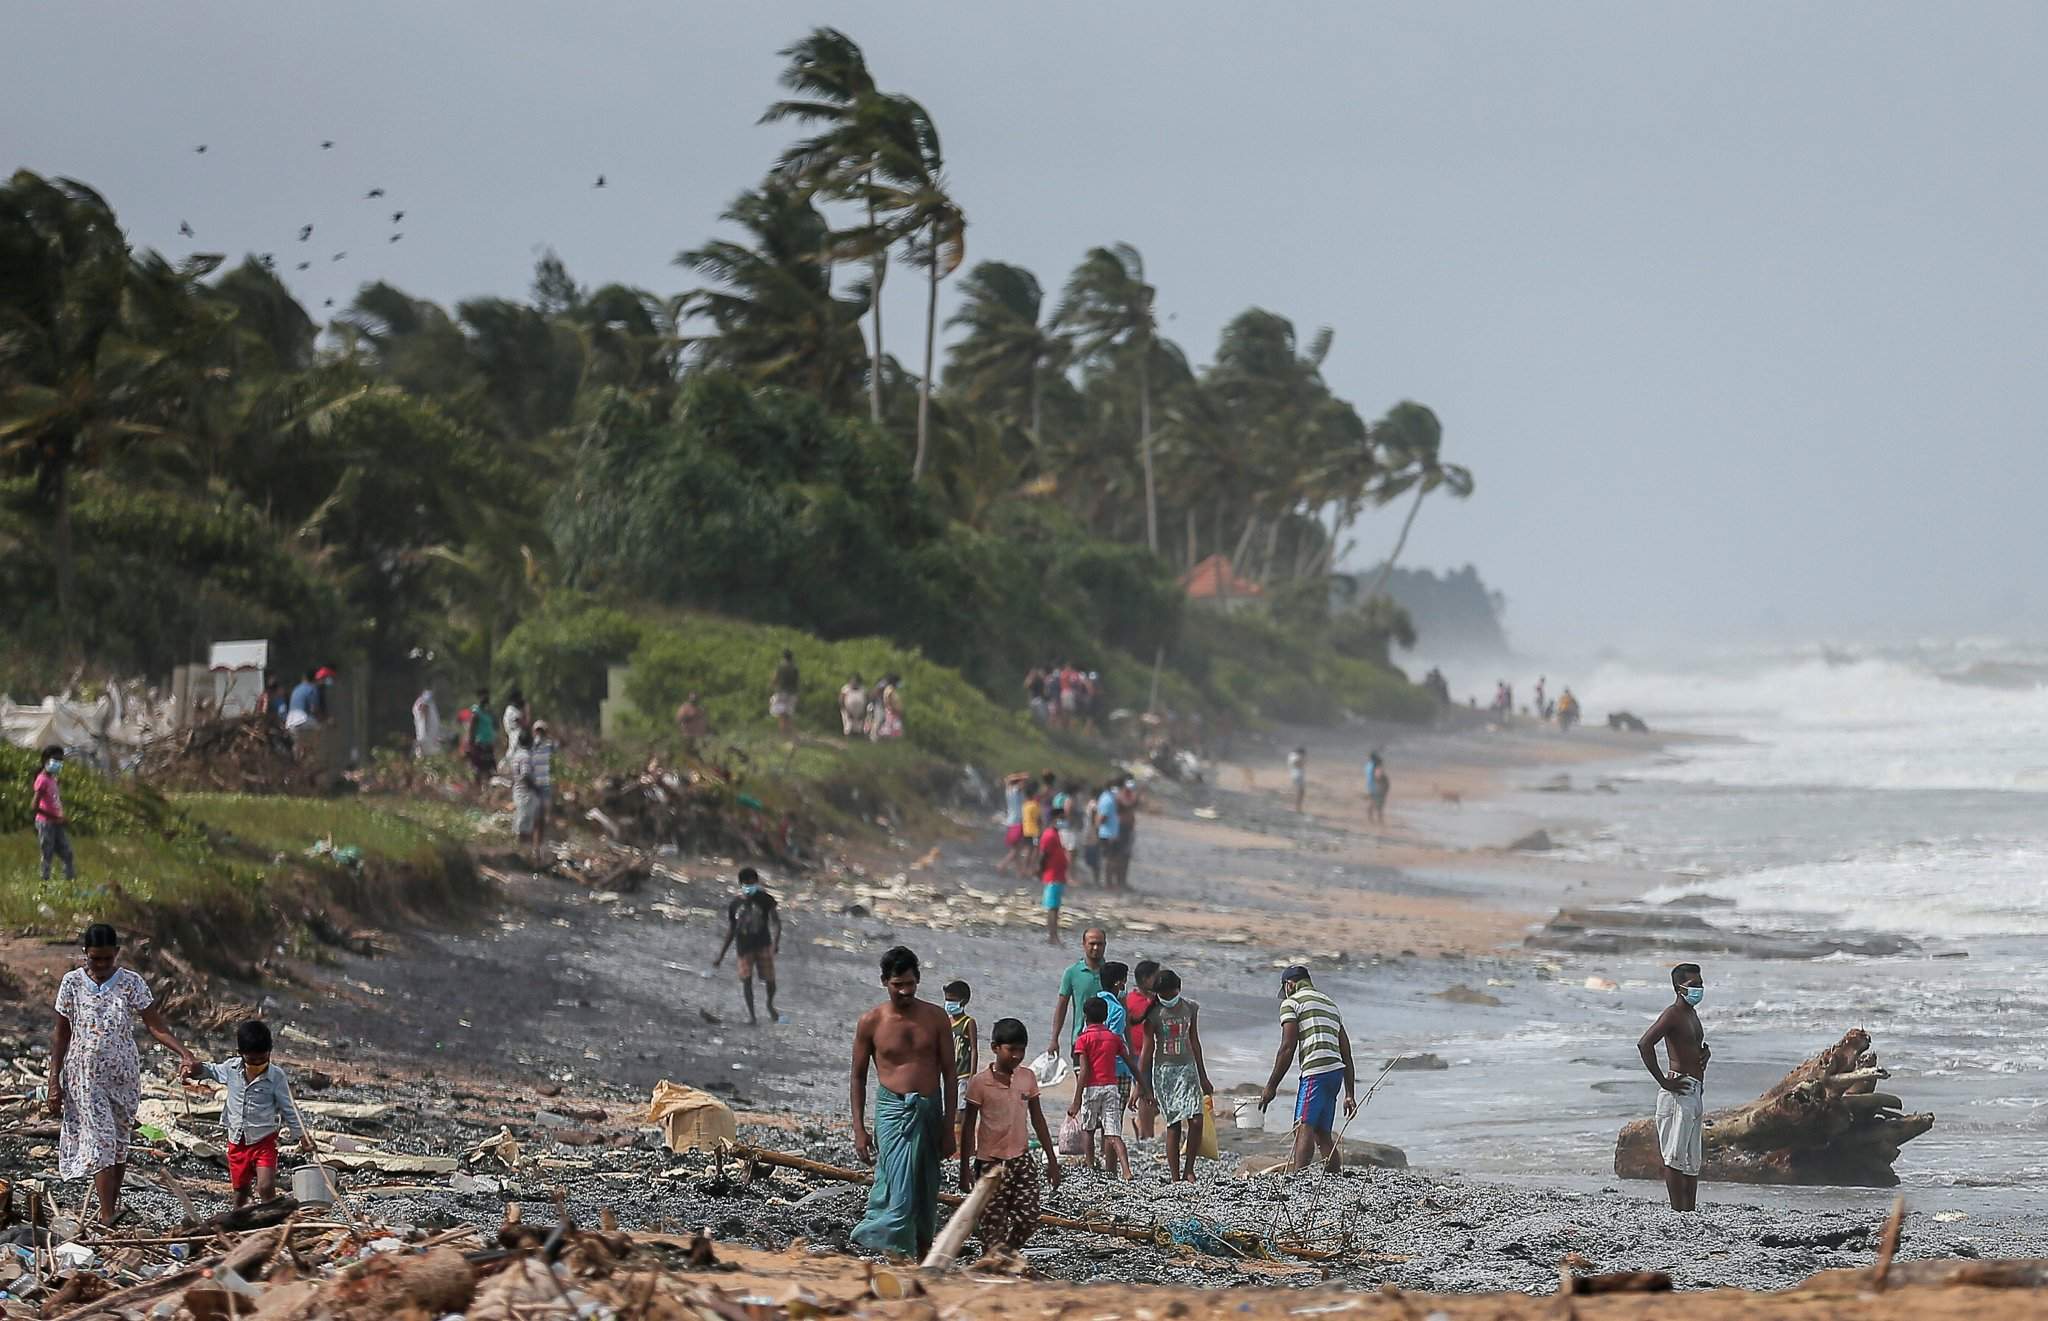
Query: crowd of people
point(1063, 696)
point(1138, 1071)
point(872, 712)
point(1563, 709)
point(1048, 824)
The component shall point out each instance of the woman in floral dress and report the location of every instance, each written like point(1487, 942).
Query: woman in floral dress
point(95, 1073)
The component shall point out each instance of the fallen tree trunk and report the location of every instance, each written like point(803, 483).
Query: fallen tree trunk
point(1822, 1123)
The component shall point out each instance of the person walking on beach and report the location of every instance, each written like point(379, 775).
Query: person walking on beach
point(1297, 773)
point(53, 834)
point(95, 1082)
point(1053, 865)
point(1377, 786)
point(753, 924)
point(910, 1045)
point(1173, 1066)
point(1080, 983)
point(1312, 1029)
point(782, 705)
point(1100, 1055)
point(1137, 1005)
point(1681, 1105)
point(998, 1115)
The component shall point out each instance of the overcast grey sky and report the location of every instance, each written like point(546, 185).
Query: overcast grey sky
point(1736, 310)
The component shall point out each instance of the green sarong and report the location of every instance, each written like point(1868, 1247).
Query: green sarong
point(903, 1206)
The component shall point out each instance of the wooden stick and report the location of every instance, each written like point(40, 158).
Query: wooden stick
point(1888, 1243)
point(946, 1247)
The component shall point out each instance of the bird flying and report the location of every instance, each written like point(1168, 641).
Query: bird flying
point(374, 192)
point(200, 149)
point(599, 183)
point(397, 216)
point(396, 237)
point(185, 228)
point(337, 256)
point(305, 232)
point(305, 265)
point(327, 144)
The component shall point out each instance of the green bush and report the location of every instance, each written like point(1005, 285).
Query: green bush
point(92, 804)
point(559, 656)
point(731, 665)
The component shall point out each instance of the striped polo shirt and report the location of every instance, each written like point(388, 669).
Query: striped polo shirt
point(1316, 1024)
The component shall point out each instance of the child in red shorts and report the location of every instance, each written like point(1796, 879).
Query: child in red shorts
point(257, 1107)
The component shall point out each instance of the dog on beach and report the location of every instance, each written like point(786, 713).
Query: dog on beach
point(1451, 796)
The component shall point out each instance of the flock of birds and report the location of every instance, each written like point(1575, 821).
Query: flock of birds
point(269, 259)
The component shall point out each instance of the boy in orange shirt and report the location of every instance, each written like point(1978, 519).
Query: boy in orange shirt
point(1001, 1099)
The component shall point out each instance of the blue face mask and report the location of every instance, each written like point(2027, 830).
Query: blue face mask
point(750, 889)
point(53, 767)
point(953, 1008)
point(1695, 994)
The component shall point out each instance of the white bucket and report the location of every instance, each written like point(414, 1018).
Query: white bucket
point(314, 1186)
point(1248, 1114)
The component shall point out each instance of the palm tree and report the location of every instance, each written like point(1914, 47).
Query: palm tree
point(70, 386)
point(907, 185)
point(1005, 349)
point(833, 90)
point(777, 319)
point(1109, 307)
point(1411, 437)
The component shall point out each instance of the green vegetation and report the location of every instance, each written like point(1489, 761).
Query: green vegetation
point(517, 490)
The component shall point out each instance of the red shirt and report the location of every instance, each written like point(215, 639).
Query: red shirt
point(1096, 1050)
point(1136, 1005)
point(1052, 858)
point(50, 807)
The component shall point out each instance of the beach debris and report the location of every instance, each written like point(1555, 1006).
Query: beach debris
point(246, 755)
point(1462, 994)
point(1627, 722)
point(690, 1120)
point(1825, 1122)
point(1425, 1060)
point(1536, 841)
point(696, 807)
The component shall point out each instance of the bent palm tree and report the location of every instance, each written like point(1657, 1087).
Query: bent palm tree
point(1109, 307)
point(1411, 437)
point(1004, 349)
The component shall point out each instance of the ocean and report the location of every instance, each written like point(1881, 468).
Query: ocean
point(1902, 791)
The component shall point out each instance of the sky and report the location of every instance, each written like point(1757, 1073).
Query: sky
point(1734, 310)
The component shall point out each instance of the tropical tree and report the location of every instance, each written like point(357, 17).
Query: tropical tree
point(834, 92)
point(776, 318)
point(71, 387)
point(1109, 308)
point(1411, 439)
point(1002, 362)
point(909, 187)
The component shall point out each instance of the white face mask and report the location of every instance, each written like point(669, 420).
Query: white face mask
point(53, 767)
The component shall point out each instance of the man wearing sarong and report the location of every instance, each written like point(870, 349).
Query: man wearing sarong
point(910, 1043)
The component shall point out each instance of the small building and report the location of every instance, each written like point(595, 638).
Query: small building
point(1214, 584)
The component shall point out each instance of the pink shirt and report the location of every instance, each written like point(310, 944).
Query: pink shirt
point(1002, 1129)
point(49, 807)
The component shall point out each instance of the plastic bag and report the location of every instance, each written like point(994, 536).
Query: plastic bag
point(1073, 1139)
point(1209, 1147)
point(1050, 1069)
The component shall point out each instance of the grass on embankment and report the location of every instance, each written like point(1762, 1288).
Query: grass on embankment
point(215, 867)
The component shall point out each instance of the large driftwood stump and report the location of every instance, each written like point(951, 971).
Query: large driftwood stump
point(1825, 1122)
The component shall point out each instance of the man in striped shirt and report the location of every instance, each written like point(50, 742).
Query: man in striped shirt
point(1311, 1028)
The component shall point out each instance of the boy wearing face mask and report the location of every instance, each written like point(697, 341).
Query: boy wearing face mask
point(49, 814)
point(755, 927)
point(1681, 1105)
point(966, 1036)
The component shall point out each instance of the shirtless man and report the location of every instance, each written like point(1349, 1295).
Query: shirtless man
point(1681, 1106)
point(910, 1043)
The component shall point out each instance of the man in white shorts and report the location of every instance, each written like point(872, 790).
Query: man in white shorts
point(1681, 1105)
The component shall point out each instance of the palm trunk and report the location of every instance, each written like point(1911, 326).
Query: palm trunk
point(1191, 535)
point(1145, 445)
point(1272, 549)
point(60, 491)
point(879, 264)
point(1037, 392)
point(924, 387)
point(1244, 543)
point(1387, 569)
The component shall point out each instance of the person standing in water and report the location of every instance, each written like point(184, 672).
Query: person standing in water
point(1681, 1105)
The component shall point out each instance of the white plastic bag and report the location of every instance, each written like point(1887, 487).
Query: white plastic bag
point(1073, 1138)
point(1050, 1069)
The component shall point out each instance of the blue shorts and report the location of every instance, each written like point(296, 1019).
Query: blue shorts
point(1053, 895)
point(1316, 1104)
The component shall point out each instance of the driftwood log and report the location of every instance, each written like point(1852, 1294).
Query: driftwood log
point(1825, 1122)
